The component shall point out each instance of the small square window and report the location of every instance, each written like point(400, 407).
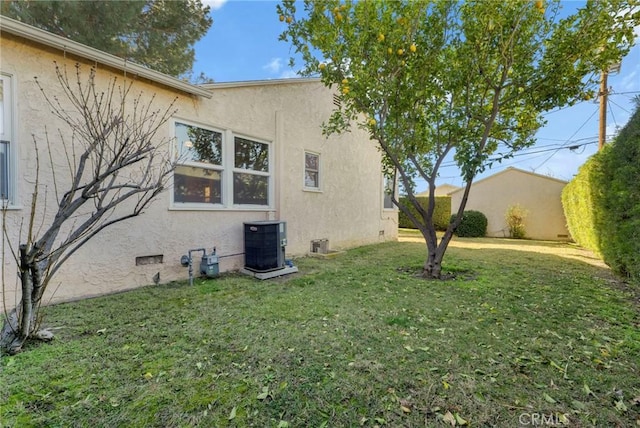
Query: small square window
point(389, 192)
point(311, 170)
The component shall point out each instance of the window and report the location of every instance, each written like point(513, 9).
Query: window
point(389, 191)
point(217, 169)
point(311, 171)
point(6, 140)
point(198, 177)
point(251, 172)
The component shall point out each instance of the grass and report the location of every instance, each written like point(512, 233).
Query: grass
point(356, 340)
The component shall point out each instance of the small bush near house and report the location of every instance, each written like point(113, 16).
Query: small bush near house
point(473, 224)
point(441, 213)
point(515, 217)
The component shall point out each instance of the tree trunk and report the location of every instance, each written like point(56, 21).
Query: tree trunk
point(435, 250)
point(20, 323)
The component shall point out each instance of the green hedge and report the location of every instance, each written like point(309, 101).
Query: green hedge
point(579, 202)
point(441, 213)
point(602, 203)
point(473, 224)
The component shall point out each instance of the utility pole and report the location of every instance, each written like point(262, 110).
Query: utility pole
point(603, 109)
point(604, 92)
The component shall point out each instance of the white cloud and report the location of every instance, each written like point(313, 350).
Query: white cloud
point(214, 4)
point(274, 66)
point(289, 74)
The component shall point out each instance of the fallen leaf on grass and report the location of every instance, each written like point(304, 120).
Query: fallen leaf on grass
point(621, 406)
point(454, 419)
point(548, 398)
point(232, 414)
point(459, 420)
point(587, 390)
point(264, 394)
point(449, 418)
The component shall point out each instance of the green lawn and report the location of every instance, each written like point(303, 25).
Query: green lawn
point(522, 335)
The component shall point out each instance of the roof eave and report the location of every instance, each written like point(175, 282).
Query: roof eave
point(29, 32)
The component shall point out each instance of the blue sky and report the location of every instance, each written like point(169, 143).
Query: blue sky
point(242, 44)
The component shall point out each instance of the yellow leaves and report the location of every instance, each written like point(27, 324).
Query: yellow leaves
point(454, 419)
point(148, 375)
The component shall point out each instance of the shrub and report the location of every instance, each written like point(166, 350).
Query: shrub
point(441, 213)
point(473, 224)
point(602, 203)
point(515, 217)
point(579, 204)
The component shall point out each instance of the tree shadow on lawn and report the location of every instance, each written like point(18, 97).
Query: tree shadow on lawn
point(504, 248)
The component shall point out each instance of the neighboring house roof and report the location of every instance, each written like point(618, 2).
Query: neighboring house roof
point(268, 82)
point(510, 170)
point(17, 28)
point(441, 190)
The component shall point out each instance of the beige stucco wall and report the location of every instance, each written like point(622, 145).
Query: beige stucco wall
point(347, 210)
point(539, 195)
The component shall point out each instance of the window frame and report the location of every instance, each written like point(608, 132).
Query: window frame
point(196, 164)
point(268, 173)
point(305, 187)
point(227, 170)
point(7, 133)
point(385, 185)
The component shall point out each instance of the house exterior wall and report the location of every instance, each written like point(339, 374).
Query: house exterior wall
point(347, 208)
point(539, 195)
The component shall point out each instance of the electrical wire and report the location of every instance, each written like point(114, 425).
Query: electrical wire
point(568, 140)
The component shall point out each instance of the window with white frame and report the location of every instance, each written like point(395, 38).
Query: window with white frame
point(389, 192)
point(311, 170)
point(251, 172)
point(198, 177)
point(218, 169)
point(6, 140)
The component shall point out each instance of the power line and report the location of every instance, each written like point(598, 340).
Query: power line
point(568, 140)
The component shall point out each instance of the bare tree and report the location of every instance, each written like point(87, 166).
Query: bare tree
point(116, 166)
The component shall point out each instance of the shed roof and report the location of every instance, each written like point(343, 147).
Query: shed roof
point(511, 170)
